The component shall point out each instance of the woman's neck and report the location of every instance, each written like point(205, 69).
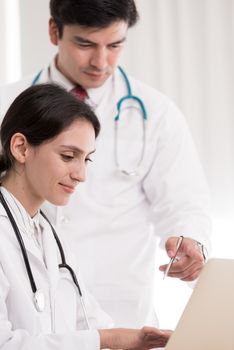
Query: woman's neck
point(21, 192)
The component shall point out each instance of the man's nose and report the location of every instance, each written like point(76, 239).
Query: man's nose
point(99, 59)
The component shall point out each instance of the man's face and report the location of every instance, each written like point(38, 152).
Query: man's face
point(88, 55)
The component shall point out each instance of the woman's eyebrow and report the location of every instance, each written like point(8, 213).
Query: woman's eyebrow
point(76, 149)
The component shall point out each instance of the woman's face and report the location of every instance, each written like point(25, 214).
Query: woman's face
point(53, 169)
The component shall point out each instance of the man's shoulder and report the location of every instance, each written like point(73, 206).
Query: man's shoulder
point(153, 99)
point(144, 90)
point(158, 106)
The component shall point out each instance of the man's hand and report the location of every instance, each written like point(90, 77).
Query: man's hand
point(189, 259)
point(134, 339)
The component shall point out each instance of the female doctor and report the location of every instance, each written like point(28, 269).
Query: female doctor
point(48, 137)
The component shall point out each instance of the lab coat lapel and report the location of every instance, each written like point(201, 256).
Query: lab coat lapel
point(32, 249)
point(24, 225)
point(51, 256)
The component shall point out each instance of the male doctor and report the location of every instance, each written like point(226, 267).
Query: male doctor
point(145, 183)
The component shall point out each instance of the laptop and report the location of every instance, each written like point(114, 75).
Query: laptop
point(207, 322)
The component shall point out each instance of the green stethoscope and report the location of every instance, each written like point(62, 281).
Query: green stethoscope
point(129, 96)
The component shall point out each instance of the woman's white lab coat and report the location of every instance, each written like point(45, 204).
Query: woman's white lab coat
point(61, 325)
point(114, 220)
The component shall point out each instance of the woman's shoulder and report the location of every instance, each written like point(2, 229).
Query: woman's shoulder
point(8, 240)
point(4, 220)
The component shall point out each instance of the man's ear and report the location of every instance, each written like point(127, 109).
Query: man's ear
point(53, 31)
point(19, 147)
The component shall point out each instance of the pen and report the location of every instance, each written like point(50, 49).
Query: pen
point(178, 244)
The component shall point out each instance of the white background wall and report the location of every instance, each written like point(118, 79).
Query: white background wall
point(183, 48)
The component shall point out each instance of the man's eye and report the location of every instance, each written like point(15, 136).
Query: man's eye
point(116, 46)
point(83, 45)
point(67, 157)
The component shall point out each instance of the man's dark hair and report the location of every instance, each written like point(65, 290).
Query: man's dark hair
point(92, 13)
point(40, 113)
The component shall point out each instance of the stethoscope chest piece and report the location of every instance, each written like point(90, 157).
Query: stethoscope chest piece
point(39, 300)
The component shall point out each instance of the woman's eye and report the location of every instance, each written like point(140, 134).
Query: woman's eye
point(67, 157)
point(88, 160)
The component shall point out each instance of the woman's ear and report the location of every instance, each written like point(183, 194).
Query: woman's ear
point(53, 31)
point(19, 147)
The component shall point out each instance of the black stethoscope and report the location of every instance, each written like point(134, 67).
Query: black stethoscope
point(38, 295)
point(129, 96)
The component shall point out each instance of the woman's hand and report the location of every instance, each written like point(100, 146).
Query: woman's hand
point(134, 339)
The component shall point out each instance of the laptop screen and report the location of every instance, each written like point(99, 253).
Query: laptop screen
point(207, 322)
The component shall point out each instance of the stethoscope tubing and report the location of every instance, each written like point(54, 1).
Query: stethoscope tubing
point(21, 243)
point(138, 100)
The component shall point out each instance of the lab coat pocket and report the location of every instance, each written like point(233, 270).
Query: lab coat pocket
point(65, 304)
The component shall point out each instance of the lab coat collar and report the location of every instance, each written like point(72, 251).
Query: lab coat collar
point(22, 218)
point(49, 248)
point(27, 225)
